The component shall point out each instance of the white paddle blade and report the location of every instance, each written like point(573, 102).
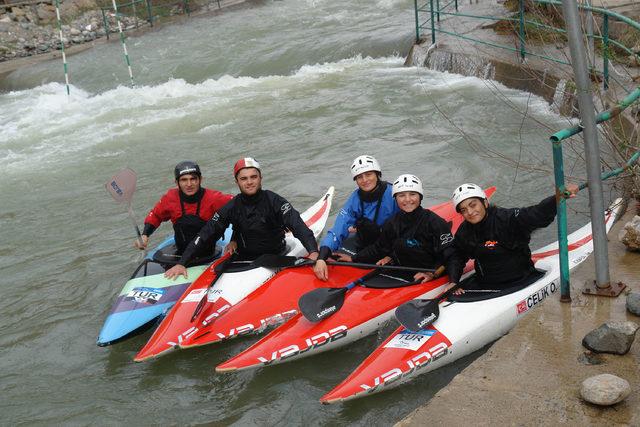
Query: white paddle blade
point(122, 185)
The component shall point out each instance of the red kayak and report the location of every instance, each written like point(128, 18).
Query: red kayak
point(277, 300)
point(364, 310)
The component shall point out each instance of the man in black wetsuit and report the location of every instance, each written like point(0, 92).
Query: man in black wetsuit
point(259, 217)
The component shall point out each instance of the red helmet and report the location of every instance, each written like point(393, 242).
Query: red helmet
point(246, 162)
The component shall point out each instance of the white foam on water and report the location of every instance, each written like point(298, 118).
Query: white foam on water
point(435, 82)
point(43, 126)
point(44, 121)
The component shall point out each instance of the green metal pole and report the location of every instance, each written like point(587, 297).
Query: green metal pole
point(186, 7)
point(605, 50)
point(438, 9)
point(563, 246)
point(415, 5)
point(135, 12)
point(456, 3)
point(602, 117)
point(149, 12)
point(521, 31)
point(106, 24)
point(433, 24)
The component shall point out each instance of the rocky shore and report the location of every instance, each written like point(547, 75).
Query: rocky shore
point(31, 29)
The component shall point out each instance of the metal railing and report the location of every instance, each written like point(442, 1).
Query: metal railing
point(432, 7)
point(435, 11)
point(144, 11)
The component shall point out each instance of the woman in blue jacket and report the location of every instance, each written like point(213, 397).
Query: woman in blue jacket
point(368, 207)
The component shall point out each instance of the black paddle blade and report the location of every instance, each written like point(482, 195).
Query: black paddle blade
point(321, 303)
point(277, 261)
point(418, 314)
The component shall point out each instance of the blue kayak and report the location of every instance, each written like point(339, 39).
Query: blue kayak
point(148, 295)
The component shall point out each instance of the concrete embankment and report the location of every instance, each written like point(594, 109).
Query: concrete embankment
point(533, 375)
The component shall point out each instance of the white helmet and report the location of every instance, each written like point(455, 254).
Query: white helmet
point(364, 164)
point(407, 182)
point(466, 191)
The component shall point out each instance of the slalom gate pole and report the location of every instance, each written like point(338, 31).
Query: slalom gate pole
point(124, 44)
point(64, 56)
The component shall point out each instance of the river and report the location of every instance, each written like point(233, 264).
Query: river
point(304, 86)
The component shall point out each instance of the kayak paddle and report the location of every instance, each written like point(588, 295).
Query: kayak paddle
point(121, 186)
point(321, 303)
point(219, 269)
point(282, 261)
point(419, 313)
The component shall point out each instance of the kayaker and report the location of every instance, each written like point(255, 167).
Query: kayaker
point(413, 237)
point(188, 206)
point(497, 238)
point(368, 207)
point(259, 217)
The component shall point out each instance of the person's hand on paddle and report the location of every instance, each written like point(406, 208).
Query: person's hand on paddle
point(424, 277)
point(458, 291)
point(231, 247)
point(384, 261)
point(142, 246)
point(352, 229)
point(176, 271)
point(342, 257)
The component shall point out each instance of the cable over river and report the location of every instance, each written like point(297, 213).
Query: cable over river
point(304, 86)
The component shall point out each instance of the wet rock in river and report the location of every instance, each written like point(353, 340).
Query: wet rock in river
point(630, 234)
point(605, 389)
point(590, 358)
point(633, 303)
point(613, 337)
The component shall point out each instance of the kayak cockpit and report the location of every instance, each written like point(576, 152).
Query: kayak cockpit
point(475, 291)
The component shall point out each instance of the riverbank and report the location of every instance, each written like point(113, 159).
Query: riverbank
point(532, 376)
point(32, 44)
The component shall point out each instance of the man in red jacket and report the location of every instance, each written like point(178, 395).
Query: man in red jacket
point(189, 206)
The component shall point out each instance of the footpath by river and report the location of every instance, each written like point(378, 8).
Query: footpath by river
point(532, 376)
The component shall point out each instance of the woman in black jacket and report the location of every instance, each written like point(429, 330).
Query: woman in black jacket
point(497, 239)
point(413, 237)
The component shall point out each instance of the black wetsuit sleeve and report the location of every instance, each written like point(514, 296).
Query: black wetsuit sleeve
point(325, 253)
point(210, 232)
point(444, 242)
point(380, 248)
point(456, 267)
point(536, 216)
point(292, 221)
point(148, 229)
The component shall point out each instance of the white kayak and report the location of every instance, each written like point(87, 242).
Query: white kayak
point(465, 324)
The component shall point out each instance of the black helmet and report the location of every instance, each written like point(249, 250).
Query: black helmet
point(187, 167)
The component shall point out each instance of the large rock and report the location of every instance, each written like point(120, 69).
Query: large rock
point(613, 337)
point(630, 234)
point(633, 303)
point(605, 389)
point(45, 13)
